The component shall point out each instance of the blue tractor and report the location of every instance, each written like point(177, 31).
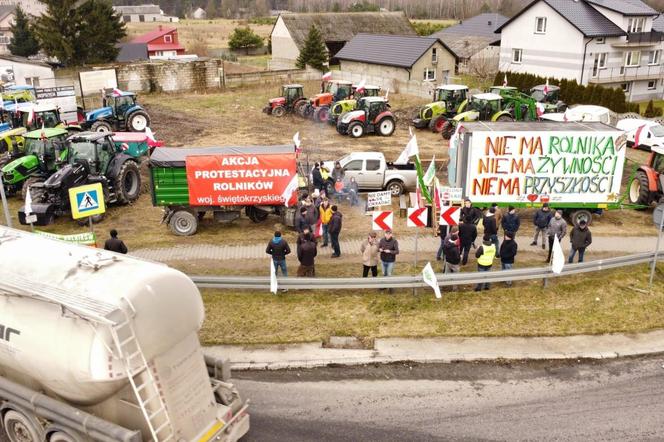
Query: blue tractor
point(120, 113)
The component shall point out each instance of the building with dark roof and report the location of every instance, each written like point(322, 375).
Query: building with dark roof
point(398, 57)
point(613, 43)
point(143, 13)
point(130, 52)
point(290, 31)
point(474, 40)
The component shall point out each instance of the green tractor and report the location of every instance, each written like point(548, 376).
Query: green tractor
point(11, 145)
point(44, 151)
point(550, 99)
point(481, 107)
point(92, 157)
point(341, 107)
point(449, 100)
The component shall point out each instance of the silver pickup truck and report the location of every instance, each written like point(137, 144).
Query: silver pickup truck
point(372, 172)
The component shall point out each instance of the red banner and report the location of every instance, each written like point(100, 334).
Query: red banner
point(238, 180)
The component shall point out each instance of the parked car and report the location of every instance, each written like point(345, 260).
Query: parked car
point(651, 136)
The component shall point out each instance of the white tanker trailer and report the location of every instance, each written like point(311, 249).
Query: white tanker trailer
point(96, 346)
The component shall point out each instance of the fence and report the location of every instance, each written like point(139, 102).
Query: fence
point(444, 280)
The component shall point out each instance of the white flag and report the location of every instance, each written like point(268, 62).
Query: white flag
point(296, 140)
point(288, 192)
point(411, 150)
point(557, 257)
point(150, 134)
point(387, 94)
point(28, 203)
point(430, 174)
point(430, 279)
point(273, 277)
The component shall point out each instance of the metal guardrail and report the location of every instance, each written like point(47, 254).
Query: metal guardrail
point(444, 279)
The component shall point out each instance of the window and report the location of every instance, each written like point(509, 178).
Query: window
point(434, 55)
point(632, 58)
point(517, 55)
point(652, 85)
point(540, 25)
point(626, 87)
point(126, 18)
point(32, 81)
point(354, 165)
point(141, 18)
point(168, 39)
point(373, 165)
point(636, 24)
point(600, 41)
point(654, 57)
point(429, 74)
point(4, 39)
point(602, 60)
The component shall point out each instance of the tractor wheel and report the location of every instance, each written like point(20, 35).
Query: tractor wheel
point(279, 111)
point(321, 114)
point(20, 428)
point(101, 126)
point(436, 125)
point(505, 118)
point(356, 129)
point(448, 130)
point(127, 183)
point(638, 190)
point(256, 215)
point(298, 106)
point(36, 194)
point(183, 223)
point(138, 121)
point(386, 126)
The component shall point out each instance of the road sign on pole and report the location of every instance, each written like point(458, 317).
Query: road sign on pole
point(87, 200)
point(417, 217)
point(449, 215)
point(383, 220)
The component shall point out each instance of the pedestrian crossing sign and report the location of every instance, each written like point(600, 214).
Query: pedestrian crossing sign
point(87, 201)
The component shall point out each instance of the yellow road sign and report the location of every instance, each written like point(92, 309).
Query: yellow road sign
point(87, 200)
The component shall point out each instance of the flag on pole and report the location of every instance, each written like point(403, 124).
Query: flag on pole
point(289, 191)
point(28, 203)
point(360, 87)
point(430, 174)
point(387, 94)
point(546, 87)
point(150, 134)
point(637, 136)
point(31, 115)
point(296, 141)
point(327, 76)
point(505, 81)
point(430, 279)
point(274, 285)
point(437, 195)
point(411, 150)
point(557, 256)
point(319, 229)
point(540, 109)
point(418, 195)
point(116, 92)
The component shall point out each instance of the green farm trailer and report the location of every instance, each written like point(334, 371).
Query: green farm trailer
point(170, 186)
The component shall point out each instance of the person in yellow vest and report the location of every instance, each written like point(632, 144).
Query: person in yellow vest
point(485, 255)
point(325, 216)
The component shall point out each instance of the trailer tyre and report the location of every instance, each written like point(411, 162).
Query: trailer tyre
point(101, 126)
point(638, 190)
point(183, 223)
point(127, 183)
point(581, 215)
point(19, 427)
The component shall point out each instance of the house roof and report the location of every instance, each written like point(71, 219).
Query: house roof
point(132, 52)
point(658, 24)
point(5, 10)
point(165, 47)
point(389, 50)
point(625, 7)
point(588, 20)
point(140, 9)
point(482, 25)
point(24, 60)
point(343, 26)
point(465, 46)
point(148, 37)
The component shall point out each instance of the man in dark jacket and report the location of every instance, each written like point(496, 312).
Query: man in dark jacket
point(508, 251)
point(389, 249)
point(306, 254)
point(580, 239)
point(442, 234)
point(541, 222)
point(452, 255)
point(490, 227)
point(334, 229)
point(467, 236)
point(511, 221)
point(278, 249)
point(317, 178)
point(301, 221)
point(114, 244)
point(470, 214)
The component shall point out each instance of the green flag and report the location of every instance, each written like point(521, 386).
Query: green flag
point(420, 178)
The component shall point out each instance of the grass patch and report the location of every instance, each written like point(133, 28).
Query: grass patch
point(568, 306)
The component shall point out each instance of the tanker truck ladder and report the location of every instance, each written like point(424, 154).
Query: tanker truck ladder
point(145, 386)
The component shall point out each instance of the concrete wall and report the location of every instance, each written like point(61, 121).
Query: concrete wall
point(268, 77)
point(417, 88)
point(374, 70)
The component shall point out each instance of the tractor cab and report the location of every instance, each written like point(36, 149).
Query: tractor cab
point(337, 89)
point(500, 90)
point(120, 104)
point(120, 112)
point(552, 96)
point(18, 94)
point(372, 115)
point(372, 106)
point(342, 106)
point(292, 92)
point(332, 91)
point(451, 94)
point(47, 116)
point(487, 105)
point(367, 91)
point(93, 149)
point(291, 98)
point(448, 100)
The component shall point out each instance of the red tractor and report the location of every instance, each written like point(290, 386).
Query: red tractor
point(372, 115)
point(647, 185)
point(318, 108)
point(291, 100)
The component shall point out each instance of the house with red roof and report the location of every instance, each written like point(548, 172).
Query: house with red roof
point(162, 42)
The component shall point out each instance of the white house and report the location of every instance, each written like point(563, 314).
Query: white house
point(22, 71)
point(143, 13)
point(6, 21)
point(606, 42)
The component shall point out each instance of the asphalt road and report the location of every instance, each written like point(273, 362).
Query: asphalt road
point(615, 400)
point(587, 401)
